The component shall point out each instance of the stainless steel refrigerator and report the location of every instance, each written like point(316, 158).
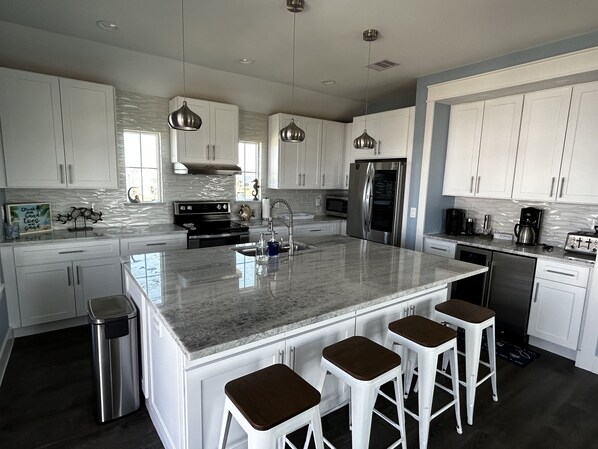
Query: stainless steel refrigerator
point(375, 209)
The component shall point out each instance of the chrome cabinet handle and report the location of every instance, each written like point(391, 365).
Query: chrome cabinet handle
point(552, 186)
point(299, 179)
point(70, 174)
point(72, 252)
point(347, 180)
point(214, 152)
point(78, 275)
point(303, 178)
point(562, 186)
point(536, 295)
point(68, 275)
point(478, 187)
point(323, 180)
point(208, 152)
point(471, 185)
point(280, 356)
point(292, 357)
point(61, 168)
point(439, 249)
point(155, 244)
point(561, 273)
point(379, 145)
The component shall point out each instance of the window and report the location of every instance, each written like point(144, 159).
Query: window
point(142, 166)
point(249, 161)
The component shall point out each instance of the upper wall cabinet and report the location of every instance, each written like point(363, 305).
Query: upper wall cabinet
point(543, 128)
point(390, 129)
point(216, 142)
point(73, 142)
point(315, 163)
point(482, 148)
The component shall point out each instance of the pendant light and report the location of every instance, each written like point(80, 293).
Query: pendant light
point(292, 133)
point(184, 119)
point(365, 141)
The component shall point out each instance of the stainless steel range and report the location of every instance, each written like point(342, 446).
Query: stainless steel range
point(208, 224)
point(582, 245)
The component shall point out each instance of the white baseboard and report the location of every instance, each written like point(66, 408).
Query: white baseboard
point(5, 351)
point(570, 354)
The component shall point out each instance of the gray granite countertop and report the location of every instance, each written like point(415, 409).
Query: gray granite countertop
point(213, 299)
point(507, 246)
point(98, 233)
point(259, 223)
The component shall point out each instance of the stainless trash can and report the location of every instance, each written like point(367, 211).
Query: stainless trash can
point(114, 338)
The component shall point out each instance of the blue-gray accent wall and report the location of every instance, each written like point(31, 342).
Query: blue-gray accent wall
point(435, 201)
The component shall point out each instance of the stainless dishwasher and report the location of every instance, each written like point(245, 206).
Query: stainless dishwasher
point(506, 288)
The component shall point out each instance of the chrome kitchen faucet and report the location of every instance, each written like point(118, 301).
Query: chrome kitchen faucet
point(289, 224)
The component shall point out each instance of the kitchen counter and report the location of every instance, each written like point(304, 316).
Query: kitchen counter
point(98, 233)
point(214, 299)
point(507, 246)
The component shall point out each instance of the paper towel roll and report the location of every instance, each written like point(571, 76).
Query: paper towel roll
point(265, 208)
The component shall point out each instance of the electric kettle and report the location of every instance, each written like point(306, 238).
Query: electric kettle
point(526, 234)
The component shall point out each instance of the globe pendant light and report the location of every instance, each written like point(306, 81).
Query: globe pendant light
point(292, 133)
point(365, 141)
point(184, 119)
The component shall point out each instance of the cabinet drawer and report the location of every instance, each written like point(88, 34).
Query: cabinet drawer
point(565, 273)
point(439, 248)
point(315, 230)
point(152, 244)
point(40, 254)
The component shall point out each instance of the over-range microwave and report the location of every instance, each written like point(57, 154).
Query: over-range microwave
point(336, 206)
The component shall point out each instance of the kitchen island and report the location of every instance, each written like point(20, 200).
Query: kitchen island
point(211, 315)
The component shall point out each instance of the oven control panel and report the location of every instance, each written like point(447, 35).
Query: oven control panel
point(582, 242)
point(201, 207)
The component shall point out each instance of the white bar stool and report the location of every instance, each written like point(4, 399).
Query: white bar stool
point(425, 340)
point(473, 319)
point(365, 366)
point(270, 403)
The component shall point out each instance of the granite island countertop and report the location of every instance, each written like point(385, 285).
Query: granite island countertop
point(213, 299)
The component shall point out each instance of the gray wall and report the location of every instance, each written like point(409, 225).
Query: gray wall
point(3, 307)
point(434, 197)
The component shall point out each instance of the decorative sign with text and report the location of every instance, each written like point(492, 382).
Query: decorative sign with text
point(34, 217)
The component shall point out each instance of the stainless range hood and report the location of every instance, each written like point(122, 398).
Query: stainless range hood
point(206, 169)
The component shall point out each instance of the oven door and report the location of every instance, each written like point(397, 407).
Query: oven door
point(208, 240)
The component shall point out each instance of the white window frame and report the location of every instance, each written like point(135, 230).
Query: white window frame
point(158, 168)
point(257, 172)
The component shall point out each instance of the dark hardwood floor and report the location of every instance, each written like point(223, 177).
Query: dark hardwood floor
point(46, 401)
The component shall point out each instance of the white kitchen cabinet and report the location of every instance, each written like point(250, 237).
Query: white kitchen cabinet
point(294, 165)
point(216, 142)
point(542, 136)
point(558, 302)
point(333, 149)
point(579, 183)
point(136, 296)
point(349, 156)
point(390, 129)
point(151, 244)
point(73, 144)
point(439, 247)
point(304, 351)
point(317, 229)
point(95, 278)
point(482, 148)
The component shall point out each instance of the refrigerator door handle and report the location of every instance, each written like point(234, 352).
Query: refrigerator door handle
point(367, 200)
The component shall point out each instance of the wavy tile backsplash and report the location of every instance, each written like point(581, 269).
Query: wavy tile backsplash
point(148, 113)
point(558, 218)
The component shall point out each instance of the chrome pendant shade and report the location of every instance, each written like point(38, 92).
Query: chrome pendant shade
point(292, 133)
point(184, 119)
point(365, 141)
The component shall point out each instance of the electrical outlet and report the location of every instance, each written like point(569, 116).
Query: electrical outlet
point(413, 212)
point(318, 201)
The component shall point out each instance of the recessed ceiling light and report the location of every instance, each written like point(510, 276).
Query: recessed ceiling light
point(245, 61)
point(106, 25)
point(328, 82)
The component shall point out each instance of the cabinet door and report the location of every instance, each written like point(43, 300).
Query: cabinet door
point(89, 134)
point(463, 147)
point(579, 183)
point(290, 157)
point(333, 149)
point(46, 293)
point(372, 124)
point(34, 155)
point(153, 244)
point(224, 133)
point(541, 141)
point(349, 154)
point(439, 247)
point(304, 353)
point(314, 230)
point(374, 324)
point(498, 147)
point(96, 278)
point(556, 312)
point(191, 146)
point(311, 149)
point(394, 133)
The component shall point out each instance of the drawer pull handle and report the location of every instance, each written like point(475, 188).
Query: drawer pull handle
point(156, 244)
point(536, 295)
point(315, 230)
point(72, 252)
point(78, 275)
point(68, 275)
point(439, 249)
point(560, 272)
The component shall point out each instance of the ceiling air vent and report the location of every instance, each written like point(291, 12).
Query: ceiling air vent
point(383, 65)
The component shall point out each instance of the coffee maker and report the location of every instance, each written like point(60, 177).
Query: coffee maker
point(530, 217)
point(454, 221)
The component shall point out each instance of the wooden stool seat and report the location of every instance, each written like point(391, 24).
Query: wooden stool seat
point(272, 395)
point(350, 354)
point(465, 311)
point(422, 331)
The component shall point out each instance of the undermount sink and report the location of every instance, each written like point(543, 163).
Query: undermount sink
point(249, 251)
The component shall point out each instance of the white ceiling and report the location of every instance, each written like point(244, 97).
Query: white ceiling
point(424, 36)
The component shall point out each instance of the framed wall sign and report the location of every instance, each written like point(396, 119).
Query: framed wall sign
point(32, 217)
